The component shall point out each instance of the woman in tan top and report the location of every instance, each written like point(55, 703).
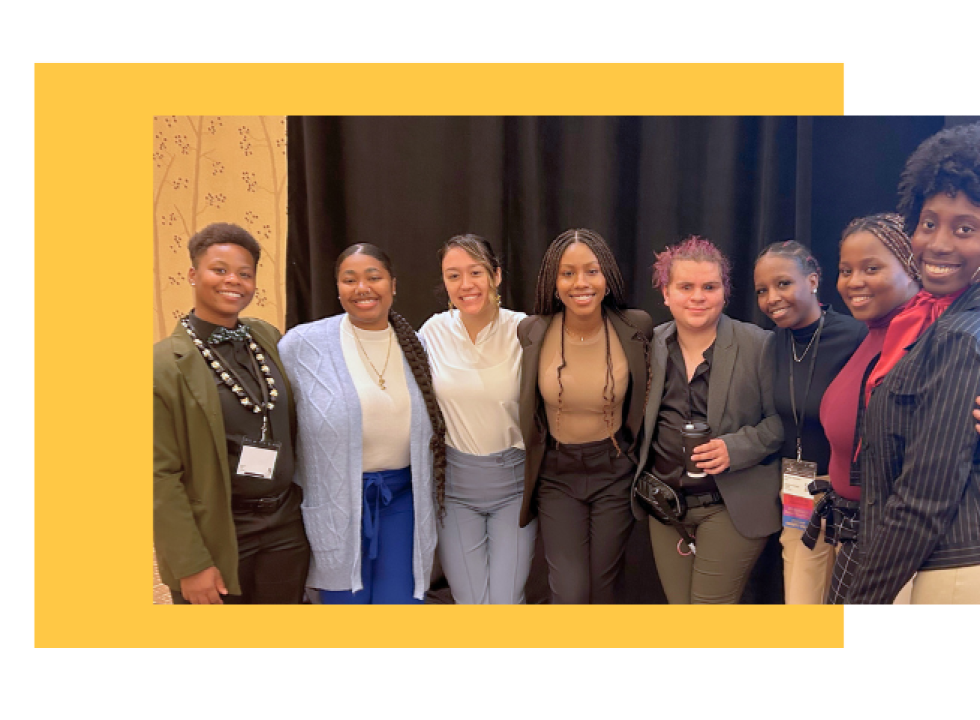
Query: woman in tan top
point(583, 389)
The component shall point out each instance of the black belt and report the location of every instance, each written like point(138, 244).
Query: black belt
point(263, 505)
point(694, 500)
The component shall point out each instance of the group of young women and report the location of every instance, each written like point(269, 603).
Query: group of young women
point(344, 455)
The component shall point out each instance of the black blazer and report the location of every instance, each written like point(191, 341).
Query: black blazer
point(920, 459)
point(534, 421)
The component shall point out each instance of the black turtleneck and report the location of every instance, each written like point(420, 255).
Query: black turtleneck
point(839, 338)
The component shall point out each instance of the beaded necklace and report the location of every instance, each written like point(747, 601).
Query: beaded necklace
point(211, 356)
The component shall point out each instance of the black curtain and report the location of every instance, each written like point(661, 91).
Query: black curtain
point(407, 184)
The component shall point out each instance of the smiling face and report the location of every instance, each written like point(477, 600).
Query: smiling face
point(581, 284)
point(946, 243)
point(366, 291)
point(784, 293)
point(872, 281)
point(468, 283)
point(224, 283)
point(695, 294)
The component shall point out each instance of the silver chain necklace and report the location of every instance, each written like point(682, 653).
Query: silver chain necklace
point(793, 346)
point(815, 336)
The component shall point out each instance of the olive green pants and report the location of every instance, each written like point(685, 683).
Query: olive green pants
point(718, 572)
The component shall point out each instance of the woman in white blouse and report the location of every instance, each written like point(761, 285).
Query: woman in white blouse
point(476, 365)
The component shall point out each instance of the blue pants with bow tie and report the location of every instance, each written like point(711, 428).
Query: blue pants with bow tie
point(387, 532)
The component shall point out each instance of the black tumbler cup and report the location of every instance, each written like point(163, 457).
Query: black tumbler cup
point(694, 434)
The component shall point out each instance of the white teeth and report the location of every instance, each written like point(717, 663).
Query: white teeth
point(230, 294)
point(939, 269)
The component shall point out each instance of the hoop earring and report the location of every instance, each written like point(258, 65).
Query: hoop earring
point(976, 274)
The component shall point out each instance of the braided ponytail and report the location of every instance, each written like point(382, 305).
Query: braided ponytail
point(418, 361)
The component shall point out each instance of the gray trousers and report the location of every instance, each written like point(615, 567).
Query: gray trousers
point(717, 574)
point(484, 552)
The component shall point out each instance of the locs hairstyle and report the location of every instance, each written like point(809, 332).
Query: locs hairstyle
point(948, 162)
point(222, 234)
point(418, 361)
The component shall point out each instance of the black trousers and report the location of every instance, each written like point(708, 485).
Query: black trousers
point(585, 520)
point(273, 558)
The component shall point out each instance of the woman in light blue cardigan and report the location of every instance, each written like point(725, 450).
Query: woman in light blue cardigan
point(370, 450)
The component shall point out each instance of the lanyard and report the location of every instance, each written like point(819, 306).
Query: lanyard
point(257, 376)
point(806, 392)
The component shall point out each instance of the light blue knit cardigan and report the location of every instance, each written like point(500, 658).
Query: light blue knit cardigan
point(328, 459)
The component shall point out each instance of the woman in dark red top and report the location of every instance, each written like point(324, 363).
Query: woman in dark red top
point(877, 279)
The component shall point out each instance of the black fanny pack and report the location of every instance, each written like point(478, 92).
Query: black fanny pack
point(663, 503)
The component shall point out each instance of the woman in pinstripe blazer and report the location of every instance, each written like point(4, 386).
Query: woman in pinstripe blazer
point(920, 454)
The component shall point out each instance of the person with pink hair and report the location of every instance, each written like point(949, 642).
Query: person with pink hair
point(709, 369)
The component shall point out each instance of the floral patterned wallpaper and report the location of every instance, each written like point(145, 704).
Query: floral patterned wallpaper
point(211, 169)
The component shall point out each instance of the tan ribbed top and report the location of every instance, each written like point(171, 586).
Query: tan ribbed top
point(582, 380)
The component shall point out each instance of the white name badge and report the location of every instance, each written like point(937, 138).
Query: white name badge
point(258, 459)
point(797, 500)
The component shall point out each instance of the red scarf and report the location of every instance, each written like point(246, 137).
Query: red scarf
point(921, 312)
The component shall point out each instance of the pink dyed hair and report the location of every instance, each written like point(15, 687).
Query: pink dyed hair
point(696, 248)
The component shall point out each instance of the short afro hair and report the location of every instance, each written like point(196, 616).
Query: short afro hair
point(948, 162)
point(222, 234)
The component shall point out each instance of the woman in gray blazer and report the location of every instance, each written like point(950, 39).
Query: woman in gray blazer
point(709, 368)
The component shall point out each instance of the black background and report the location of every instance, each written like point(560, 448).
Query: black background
point(407, 184)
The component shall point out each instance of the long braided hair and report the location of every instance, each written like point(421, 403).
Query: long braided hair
point(547, 302)
point(418, 361)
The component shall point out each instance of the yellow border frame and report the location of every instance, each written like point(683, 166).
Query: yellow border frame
point(93, 299)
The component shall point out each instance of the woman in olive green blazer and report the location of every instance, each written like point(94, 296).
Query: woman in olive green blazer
point(194, 491)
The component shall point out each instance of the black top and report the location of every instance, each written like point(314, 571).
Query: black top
point(838, 340)
point(682, 402)
point(240, 421)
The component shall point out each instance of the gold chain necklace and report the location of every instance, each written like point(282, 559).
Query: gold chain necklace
point(580, 336)
point(381, 375)
point(793, 347)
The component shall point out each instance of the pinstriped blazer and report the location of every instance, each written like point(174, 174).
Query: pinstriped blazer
point(920, 459)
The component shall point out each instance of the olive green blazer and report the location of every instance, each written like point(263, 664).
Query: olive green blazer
point(193, 527)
